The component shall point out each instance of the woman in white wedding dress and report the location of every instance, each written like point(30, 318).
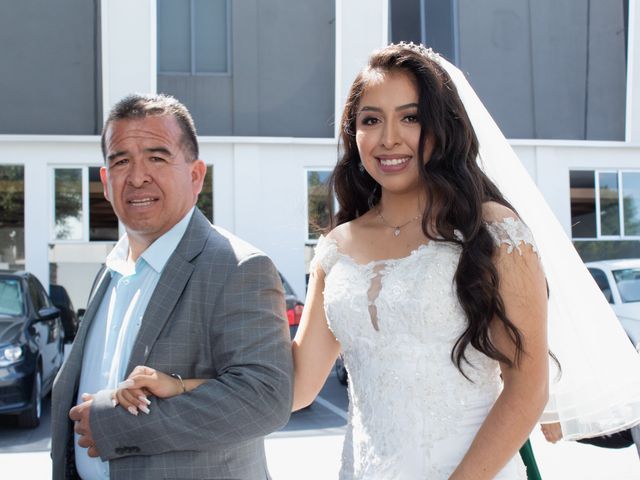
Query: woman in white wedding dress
point(429, 284)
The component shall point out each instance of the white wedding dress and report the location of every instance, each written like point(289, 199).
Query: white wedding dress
point(412, 414)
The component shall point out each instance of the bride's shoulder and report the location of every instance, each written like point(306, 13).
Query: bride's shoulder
point(494, 212)
point(507, 228)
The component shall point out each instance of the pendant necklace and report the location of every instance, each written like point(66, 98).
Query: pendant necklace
point(396, 228)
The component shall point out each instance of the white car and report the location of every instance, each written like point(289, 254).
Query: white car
point(619, 281)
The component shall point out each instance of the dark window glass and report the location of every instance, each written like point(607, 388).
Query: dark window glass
point(174, 36)
point(210, 36)
point(609, 204)
point(205, 199)
point(318, 204)
point(11, 216)
point(103, 223)
point(593, 250)
point(583, 204)
point(631, 202)
point(68, 204)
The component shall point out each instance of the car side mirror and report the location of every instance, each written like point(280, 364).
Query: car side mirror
point(81, 312)
point(48, 313)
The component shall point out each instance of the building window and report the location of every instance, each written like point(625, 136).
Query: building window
point(261, 68)
point(193, 37)
point(543, 69)
point(605, 213)
point(67, 204)
point(11, 217)
point(103, 223)
point(205, 199)
point(80, 211)
point(319, 206)
point(605, 204)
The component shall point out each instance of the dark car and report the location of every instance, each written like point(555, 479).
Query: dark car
point(61, 300)
point(31, 346)
point(294, 306)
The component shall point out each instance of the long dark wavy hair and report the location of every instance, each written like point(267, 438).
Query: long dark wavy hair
point(454, 185)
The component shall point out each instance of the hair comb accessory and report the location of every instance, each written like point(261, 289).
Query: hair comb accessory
point(422, 50)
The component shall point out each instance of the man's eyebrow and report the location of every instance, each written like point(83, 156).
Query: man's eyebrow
point(113, 155)
point(163, 150)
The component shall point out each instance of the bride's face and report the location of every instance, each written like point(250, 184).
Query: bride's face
point(388, 131)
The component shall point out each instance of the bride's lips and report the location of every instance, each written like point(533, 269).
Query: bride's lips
point(393, 163)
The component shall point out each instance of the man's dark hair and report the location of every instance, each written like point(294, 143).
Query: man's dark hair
point(146, 105)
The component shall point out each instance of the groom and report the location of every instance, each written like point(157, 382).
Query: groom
point(185, 298)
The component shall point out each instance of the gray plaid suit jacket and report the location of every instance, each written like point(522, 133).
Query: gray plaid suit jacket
point(217, 312)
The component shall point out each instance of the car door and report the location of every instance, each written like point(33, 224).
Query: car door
point(47, 331)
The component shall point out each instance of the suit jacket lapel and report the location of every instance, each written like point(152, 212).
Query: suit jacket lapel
point(171, 285)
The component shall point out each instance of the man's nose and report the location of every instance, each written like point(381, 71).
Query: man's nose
point(138, 174)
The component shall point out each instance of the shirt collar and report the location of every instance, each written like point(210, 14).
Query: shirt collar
point(156, 255)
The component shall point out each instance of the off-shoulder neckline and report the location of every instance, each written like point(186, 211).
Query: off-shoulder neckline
point(419, 249)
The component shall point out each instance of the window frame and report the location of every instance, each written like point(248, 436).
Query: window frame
point(308, 240)
point(192, 48)
point(596, 173)
point(86, 234)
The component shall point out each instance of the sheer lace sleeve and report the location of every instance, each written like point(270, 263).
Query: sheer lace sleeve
point(326, 254)
point(512, 232)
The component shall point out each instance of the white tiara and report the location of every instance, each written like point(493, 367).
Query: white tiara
point(422, 50)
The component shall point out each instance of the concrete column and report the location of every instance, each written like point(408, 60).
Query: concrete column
point(37, 204)
point(129, 54)
point(361, 27)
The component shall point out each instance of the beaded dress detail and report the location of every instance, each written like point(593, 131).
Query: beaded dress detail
point(412, 414)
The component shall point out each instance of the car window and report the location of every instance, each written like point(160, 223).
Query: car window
point(628, 281)
point(11, 299)
point(603, 283)
point(39, 297)
point(287, 288)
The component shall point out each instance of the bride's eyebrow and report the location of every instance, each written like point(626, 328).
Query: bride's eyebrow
point(397, 109)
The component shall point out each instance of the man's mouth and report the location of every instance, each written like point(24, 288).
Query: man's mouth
point(142, 202)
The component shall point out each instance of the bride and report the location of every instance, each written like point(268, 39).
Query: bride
point(432, 286)
point(429, 284)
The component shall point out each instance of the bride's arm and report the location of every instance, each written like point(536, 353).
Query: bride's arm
point(525, 393)
point(314, 347)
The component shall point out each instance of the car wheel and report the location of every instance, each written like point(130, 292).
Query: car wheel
point(341, 371)
point(31, 418)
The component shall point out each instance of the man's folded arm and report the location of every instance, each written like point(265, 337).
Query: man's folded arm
point(250, 396)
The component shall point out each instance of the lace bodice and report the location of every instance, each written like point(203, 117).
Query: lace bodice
point(412, 413)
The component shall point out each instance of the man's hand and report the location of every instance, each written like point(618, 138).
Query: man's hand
point(80, 416)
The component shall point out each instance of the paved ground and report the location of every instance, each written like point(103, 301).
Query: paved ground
point(309, 448)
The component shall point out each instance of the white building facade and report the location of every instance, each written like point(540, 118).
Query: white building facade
point(265, 185)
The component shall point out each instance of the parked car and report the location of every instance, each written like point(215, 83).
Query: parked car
point(341, 370)
point(294, 306)
point(70, 321)
point(619, 281)
point(31, 346)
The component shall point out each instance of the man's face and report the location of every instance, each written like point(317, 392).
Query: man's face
point(148, 178)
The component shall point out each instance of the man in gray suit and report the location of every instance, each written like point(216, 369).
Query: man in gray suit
point(182, 297)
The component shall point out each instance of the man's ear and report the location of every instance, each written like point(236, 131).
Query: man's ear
point(198, 172)
point(104, 178)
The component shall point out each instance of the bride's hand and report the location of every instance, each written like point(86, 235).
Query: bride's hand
point(552, 431)
point(132, 394)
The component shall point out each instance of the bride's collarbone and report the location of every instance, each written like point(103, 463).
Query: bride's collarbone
point(375, 244)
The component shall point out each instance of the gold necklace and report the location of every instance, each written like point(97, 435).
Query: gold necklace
point(396, 228)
